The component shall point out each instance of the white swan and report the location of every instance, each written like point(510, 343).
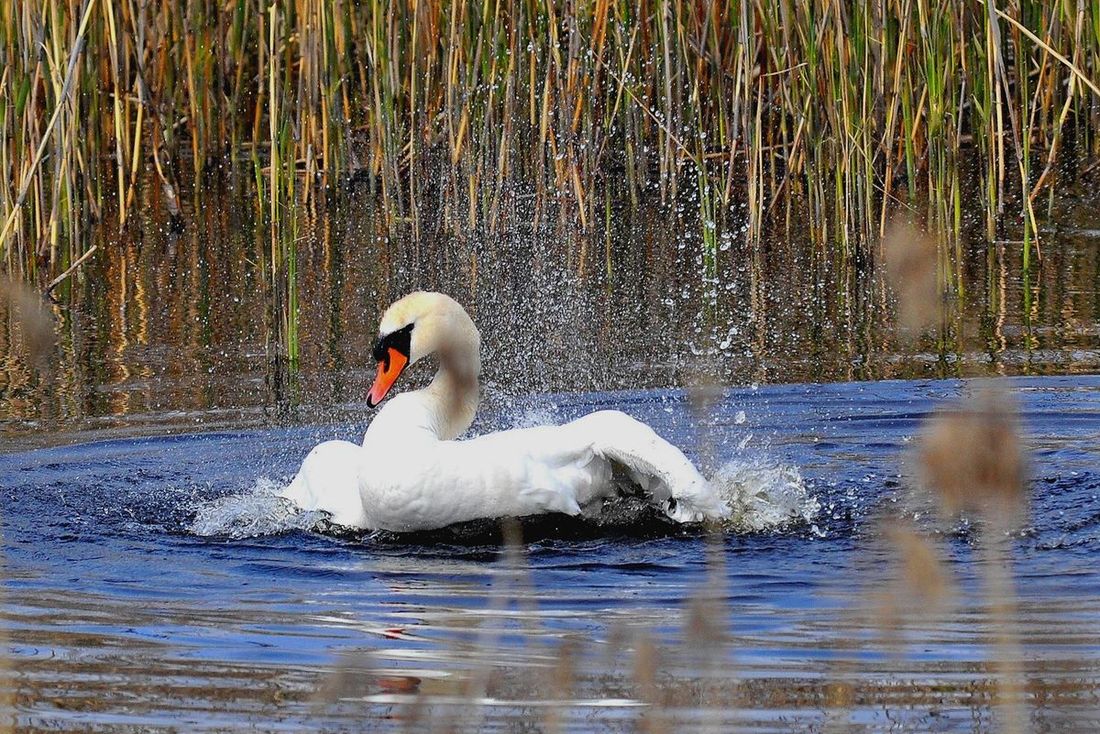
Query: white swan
point(411, 474)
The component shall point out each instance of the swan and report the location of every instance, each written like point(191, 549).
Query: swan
point(411, 473)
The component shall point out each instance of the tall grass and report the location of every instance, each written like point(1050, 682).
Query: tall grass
point(456, 109)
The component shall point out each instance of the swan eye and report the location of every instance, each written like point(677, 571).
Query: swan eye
point(400, 340)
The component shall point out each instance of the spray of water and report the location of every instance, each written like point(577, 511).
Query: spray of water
point(763, 497)
point(256, 512)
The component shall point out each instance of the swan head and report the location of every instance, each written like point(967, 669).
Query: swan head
point(417, 326)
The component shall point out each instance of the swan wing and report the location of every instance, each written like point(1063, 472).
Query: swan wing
point(328, 480)
point(660, 469)
point(427, 485)
point(567, 468)
point(408, 485)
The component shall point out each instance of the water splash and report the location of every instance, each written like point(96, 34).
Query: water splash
point(527, 416)
point(256, 512)
point(764, 495)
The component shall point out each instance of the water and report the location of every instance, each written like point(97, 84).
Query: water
point(119, 614)
point(154, 582)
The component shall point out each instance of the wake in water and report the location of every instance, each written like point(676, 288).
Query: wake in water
point(763, 496)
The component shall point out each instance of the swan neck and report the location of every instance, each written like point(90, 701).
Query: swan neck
point(455, 393)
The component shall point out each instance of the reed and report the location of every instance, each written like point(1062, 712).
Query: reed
point(451, 109)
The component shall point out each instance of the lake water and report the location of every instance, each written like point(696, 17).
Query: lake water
point(120, 614)
point(153, 583)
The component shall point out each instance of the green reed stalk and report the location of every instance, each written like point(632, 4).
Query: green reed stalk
point(450, 106)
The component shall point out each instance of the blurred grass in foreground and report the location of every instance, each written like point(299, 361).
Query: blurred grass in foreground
point(685, 675)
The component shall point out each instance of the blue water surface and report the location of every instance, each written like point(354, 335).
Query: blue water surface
point(120, 616)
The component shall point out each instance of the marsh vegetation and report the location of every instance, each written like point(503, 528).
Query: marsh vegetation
point(460, 114)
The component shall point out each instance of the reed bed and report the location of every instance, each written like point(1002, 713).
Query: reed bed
point(463, 113)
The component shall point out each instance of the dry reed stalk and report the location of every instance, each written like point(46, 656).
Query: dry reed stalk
point(729, 109)
point(911, 269)
point(973, 461)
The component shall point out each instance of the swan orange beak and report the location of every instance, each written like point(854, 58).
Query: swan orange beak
point(390, 368)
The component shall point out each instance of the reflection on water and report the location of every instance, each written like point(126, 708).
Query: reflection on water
point(167, 328)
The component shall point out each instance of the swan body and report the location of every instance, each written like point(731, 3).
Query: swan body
point(410, 473)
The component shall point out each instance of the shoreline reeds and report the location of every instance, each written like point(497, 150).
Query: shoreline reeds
point(451, 110)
